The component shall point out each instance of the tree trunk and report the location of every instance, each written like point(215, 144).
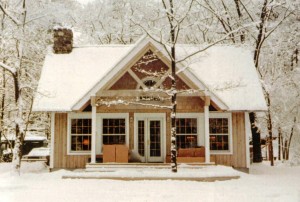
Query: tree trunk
point(289, 141)
point(2, 109)
point(279, 143)
point(255, 139)
point(261, 32)
point(259, 41)
point(270, 131)
point(173, 89)
point(238, 10)
point(20, 126)
point(285, 150)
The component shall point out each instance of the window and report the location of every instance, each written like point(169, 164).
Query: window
point(219, 134)
point(186, 129)
point(81, 130)
point(114, 131)
point(149, 83)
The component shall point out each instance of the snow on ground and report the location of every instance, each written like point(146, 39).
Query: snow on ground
point(265, 183)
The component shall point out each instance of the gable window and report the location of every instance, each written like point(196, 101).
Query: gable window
point(186, 129)
point(219, 133)
point(81, 132)
point(150, 84)
point(114, 130)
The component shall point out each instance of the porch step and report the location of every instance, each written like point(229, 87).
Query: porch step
point(98, 167)
point(134, 172)
point(197, 179)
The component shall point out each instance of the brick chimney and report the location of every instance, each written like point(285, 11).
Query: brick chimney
point(63, 40)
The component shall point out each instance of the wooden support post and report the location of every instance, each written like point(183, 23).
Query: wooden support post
point(94, 128)
point(206, 129)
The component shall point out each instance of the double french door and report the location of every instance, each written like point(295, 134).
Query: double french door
point(149, 138)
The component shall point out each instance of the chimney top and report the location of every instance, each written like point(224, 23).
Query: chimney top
point(63, 40)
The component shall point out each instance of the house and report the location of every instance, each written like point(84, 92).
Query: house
point(112, 95)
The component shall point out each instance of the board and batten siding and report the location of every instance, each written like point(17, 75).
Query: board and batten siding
point(61, 159)
point(238, 157)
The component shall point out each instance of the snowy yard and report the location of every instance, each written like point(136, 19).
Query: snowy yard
point(265, 183)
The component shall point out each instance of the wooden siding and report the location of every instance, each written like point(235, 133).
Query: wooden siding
point(125, 82)
point(238, 158)
point(143, 64)
point(61, 159)
point(190, 104)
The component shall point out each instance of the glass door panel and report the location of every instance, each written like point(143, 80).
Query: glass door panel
point(141, 137)
point(155, 138)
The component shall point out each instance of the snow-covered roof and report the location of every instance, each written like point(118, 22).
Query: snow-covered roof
point(228, 72)
point(66, 78)
point(29, 137)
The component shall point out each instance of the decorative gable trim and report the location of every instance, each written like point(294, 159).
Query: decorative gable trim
point(134, 54)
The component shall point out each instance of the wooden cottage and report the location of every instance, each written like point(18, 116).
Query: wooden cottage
point(109, 103)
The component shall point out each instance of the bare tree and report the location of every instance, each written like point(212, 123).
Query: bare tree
point(25, 40)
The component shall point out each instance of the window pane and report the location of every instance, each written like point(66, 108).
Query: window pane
point(81, 134)
point(86, 143)
point(81, 126)
point(219, 142)
point(113, 126)
point(113, 139)
point(186, 126)
point(141, 138)
point(186, 141)
point(218, 125)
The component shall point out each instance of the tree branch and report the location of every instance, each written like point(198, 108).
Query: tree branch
point(8, 68)
point(16, 21)
point(210, 45)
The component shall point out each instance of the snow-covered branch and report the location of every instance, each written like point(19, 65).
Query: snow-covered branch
point(212, 44)
point(8, 68)
point(15, 20)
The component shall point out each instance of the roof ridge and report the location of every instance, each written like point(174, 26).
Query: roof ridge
point(104, 45)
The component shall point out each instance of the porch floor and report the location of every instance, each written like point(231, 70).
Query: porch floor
point(155, 171)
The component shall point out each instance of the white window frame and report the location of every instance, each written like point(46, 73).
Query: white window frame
point(192, 116)
point(229, 117)
point(125, 116)
point(73, 115)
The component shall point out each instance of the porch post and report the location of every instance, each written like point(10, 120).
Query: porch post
point(206, 129)
point(94, 127)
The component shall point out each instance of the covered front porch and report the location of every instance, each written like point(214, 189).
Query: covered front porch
point(141, 134)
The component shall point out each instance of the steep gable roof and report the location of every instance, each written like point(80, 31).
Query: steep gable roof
point(66, 78)
point(69, 80)
point(230, 74)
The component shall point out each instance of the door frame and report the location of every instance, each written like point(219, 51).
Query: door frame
point(147, 117)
